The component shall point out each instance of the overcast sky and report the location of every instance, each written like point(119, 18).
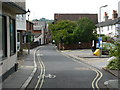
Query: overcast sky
point(47, 8)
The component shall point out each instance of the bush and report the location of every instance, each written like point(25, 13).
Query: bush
point(115, 64)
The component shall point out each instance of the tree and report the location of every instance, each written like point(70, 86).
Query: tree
point(62, 31)
point(84, 30)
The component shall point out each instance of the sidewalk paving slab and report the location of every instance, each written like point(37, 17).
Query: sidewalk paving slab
point(25, 68)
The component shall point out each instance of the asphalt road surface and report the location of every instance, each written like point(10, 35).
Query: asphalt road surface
point(56, 70)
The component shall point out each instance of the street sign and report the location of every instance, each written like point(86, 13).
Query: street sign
point(100, 42)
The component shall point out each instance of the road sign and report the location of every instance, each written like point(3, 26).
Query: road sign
point(100, 42)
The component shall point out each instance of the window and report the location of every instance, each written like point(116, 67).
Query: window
point(101, 29)
point(12, 37)
point(18, 41)
point(24, 39)
point(111, 27)
point(1, 51)
point(108, 28)
point(3, 37)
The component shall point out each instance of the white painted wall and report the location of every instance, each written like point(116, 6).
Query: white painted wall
point(119, 9)
point(108, 30)
point(40, 37)
point(40, 25)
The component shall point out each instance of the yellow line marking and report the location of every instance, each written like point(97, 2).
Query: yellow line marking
point(43, 76)
point(95, 70)
point(98, 79)
point(40, 74)
point(94, 79)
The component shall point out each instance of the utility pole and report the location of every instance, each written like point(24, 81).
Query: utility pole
point(28, 12)
point(100, 38)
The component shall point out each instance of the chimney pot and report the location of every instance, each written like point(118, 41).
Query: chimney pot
point(115, 14)
point(106, 16)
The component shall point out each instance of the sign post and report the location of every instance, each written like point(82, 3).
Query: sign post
point(100, 45)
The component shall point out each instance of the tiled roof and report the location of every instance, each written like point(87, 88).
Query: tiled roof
point(109, 22)
point(75, 17)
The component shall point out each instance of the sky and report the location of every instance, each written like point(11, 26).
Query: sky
point(47, 8)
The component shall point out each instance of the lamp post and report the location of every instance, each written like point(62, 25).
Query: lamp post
point(28, 13)
point(100, 39)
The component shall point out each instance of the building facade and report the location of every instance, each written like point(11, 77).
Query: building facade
point(75, 17)
point(110, 27)
point(41, 30)
point(21, 29)
point(8, 46)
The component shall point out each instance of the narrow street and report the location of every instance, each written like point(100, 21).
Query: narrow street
point(68, 44)
point(58, 71)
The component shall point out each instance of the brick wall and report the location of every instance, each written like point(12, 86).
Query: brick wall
point(75, 17)
point(84, 45)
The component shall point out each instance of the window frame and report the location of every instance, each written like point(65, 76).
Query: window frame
point(4, 38)
point(12, 30)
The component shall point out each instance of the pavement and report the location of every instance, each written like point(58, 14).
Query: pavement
point(86, 55)
point(26, 68)
point(21, 78)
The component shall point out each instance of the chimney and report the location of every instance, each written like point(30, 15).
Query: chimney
point(106, 16)
point(114, 15)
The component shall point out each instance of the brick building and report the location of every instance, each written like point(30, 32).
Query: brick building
point(75, 17)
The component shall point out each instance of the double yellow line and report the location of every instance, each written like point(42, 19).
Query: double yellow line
point(98, 72)
point(42, 72)
point(96, 79)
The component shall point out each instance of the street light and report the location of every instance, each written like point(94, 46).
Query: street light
point(100, 39)
point(28, 12)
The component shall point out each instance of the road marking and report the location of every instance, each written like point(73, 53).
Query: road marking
point(93, 82)
point(27, 66)
point(42, 76)
point(39, 75)
point(98, 79)
point(50, 76)
point(42, 71)
point(39, 54)
point(98, 73)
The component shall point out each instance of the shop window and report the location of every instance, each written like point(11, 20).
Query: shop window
point(3, 37)
point(12, 37)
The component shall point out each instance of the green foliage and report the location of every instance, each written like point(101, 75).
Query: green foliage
point(62, 31)
point(84, 30)
point(71, 32)
point(106, 38)
point(115, 64)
